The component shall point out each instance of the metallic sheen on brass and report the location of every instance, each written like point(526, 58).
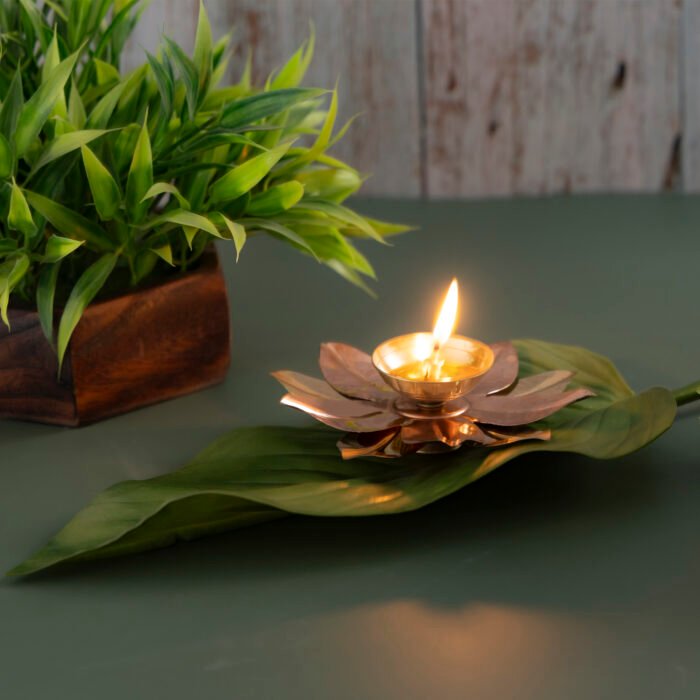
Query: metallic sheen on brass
point(472, 357)
point(384, 419)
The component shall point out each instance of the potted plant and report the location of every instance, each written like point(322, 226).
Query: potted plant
point(112, 189)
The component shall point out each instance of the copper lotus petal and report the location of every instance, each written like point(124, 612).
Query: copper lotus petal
point(351, 372)
point(541, 382)
point(502, 374)
point(354, 445)
point(315, 396)
point(504, 436)
point(451, 431)
point(367, 423)
point(295, 382)
point(513, 409)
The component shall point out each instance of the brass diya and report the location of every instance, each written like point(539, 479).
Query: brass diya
point(426, 392)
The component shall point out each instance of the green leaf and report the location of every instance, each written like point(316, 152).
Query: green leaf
point(181, 217)
point(6, 160)
point(140, 176)
point(203, 46)
point(87, 286)
point(68, 222)
point(105, 191)
point(292, 73)
point(279, 230)
point(164, 81)
point(66, 143)
point(238, 234)
point(103, 110)
point(76, 109)
point(40, 105)
point(52, 60)
point(248, 110)
point(165, 252)
point(330, 183)
point(11, 273)
point(19, 217)
point(161, 188)
point(341, 214)
point(386, 228)
point(276, 199)
point(244, 177)
point(188, 73)
point(58, 247)
point(105, 73)
point(12, 107)
point(45, 293)
point(256, 474)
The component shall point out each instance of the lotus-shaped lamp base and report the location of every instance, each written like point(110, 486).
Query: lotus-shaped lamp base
point(497, 410)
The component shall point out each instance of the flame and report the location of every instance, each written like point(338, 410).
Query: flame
point(447, 317)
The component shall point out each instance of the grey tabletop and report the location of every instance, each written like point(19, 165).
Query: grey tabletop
point(554, 577)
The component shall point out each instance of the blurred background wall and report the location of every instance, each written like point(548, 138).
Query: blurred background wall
point(479, 98)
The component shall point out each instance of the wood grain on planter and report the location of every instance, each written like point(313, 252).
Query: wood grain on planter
point(134, 350)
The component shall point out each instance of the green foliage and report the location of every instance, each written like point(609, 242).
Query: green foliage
point(256, 474)
point(99, 170)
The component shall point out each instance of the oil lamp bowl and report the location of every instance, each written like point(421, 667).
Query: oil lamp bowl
point(465, 362)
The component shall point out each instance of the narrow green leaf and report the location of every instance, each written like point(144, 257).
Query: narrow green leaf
point(105, 191)
point(341, 214)
point(76, 109)
point(87, 286)
point(45, 294)
point(20, 217)
point(105, 73)
point(165, 252)
point(188, 73)
point(332, 184)
point(58, 247)
point(103, 110)
point(6, 160)
point(51, 59)
point(348, 274)
point(292, 73)
point(181, 217)
point(248, 110)
point(41, 29)
point(275, 199)
point(164, 81)
point(244, 177)
point(203, 46)
point(38, 108)
point(386, 228)
point(140, 176)
point(161, 188)
point(238, 235)
point(68, 222)
point(66, 143)
point(277, 229)
point(11, 273)
point(12, 107)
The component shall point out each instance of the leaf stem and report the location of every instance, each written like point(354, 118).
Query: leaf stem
point(687, 394)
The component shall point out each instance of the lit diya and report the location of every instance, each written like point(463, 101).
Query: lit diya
point(428, 392)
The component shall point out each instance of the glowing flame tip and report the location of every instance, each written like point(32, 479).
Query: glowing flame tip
point(448, 315)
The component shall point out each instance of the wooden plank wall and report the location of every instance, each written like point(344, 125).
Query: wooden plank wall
point(478, 98)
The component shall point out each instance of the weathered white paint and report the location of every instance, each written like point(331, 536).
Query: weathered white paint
point(531, 96)
point(473, 98)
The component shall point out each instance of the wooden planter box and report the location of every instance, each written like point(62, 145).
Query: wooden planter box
point(147, 346)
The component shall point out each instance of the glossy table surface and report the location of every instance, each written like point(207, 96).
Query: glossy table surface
point(554, 577)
